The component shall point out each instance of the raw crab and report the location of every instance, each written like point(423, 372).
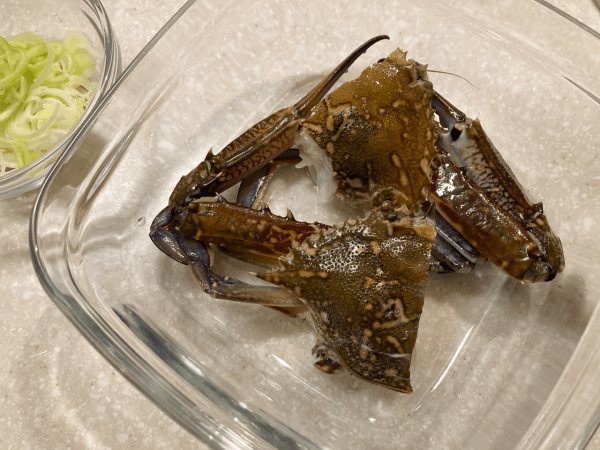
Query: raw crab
point(361, 283)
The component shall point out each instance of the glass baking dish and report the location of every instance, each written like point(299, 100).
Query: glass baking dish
point(497, 364)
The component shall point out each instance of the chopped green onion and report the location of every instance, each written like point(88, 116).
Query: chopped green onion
point(45, 88)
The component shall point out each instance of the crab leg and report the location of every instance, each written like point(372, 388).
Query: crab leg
point(255, 236)
point(253, 188)
point(491, 202)
point(483, 223)
point(228, 288)
point(260, 236)
point(449, 115)
point(446, 232)
point(447, 254)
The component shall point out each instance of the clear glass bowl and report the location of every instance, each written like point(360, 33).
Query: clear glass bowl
point(53, 19)
point(497, 365)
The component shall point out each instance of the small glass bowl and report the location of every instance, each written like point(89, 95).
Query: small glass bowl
point(53, 19)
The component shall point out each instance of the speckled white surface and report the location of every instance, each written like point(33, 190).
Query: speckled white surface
point(55, 390)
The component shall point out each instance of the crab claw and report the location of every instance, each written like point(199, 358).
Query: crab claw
point(164, 239)
point(552, 259)
point(478, 194)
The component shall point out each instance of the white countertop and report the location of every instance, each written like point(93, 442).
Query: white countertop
point(56, 391)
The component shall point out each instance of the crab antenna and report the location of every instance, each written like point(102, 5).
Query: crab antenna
point(453, 74)
point(313, 97)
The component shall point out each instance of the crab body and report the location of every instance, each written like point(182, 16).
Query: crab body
point(378, 131)
point(378, 265)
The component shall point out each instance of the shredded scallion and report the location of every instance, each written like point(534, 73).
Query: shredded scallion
point(45, 87)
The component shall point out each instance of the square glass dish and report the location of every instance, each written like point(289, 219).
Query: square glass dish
point(497, 364)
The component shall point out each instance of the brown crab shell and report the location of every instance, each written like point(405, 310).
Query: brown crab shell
point(378, 130)
point(363, 283)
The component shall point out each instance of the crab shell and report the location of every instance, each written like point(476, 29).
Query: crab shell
point(378, 131)
point(363, 283)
